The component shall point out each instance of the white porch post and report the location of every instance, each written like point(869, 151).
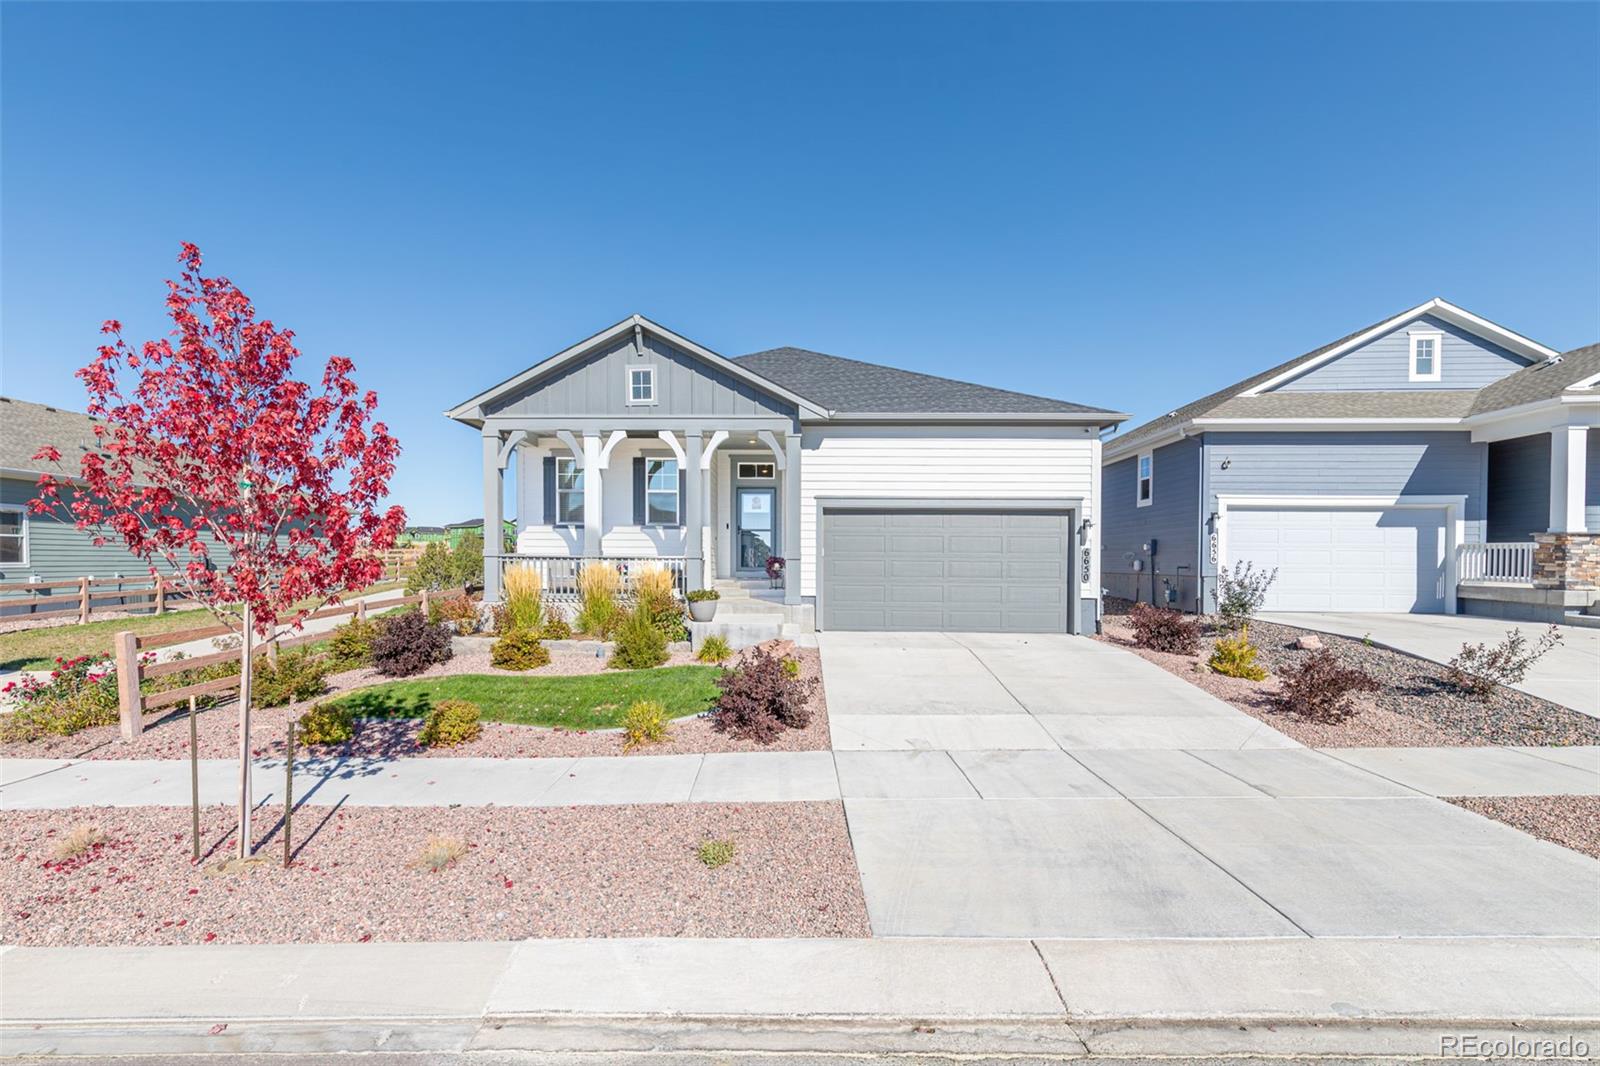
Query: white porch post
point(693, 513)
point(592, 515)
point(791, 519)
point(1569, 453)
point(493, 494)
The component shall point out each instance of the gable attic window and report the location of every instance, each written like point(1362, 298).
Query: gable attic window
point(1426, 349)
point(641, 385)
point(1145, 489)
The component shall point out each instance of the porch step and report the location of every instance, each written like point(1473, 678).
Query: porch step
point(739, 630)
point(1583, 618)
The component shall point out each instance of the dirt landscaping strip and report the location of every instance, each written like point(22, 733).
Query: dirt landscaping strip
point(620, 871)
point(167, 736)
point(1571, 821)
point(1415, 706)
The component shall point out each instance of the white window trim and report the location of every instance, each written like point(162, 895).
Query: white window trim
point(23, 512)
point(677, 500)
point(651, 372)
point(1139, 498)
point(555, 519)
point(1438, 354)
point(739, 463)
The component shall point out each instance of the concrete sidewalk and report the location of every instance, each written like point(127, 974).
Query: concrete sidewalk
point(994, 996)
point(1569, 674)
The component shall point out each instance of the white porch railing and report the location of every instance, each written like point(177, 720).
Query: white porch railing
point(1507, 562)
point(559, 573)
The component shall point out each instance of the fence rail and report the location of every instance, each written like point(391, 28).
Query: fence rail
point(132, 671)
point(81, 597)
point(1498, 562)
point(558, 574)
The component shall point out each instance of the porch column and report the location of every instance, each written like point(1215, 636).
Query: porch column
point(791, 519)
point(493, 495)
point(1569, 452)
point(592, 514)
point(694, 529)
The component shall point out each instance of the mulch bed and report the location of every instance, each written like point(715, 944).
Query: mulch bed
point(1571, 821)
point(1415, 705)
point(217, 728)
point(624, 871)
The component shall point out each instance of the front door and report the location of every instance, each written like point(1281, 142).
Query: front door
point(756, 530)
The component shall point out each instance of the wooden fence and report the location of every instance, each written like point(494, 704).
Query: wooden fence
point(133, 702)
point(82, 597)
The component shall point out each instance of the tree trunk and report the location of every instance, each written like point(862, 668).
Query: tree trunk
point(245, 665)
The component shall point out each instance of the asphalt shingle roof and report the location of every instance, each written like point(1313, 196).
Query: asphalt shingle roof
point(1348, 404)
point(26, 427)
point(850, 386)
point(1541, 381)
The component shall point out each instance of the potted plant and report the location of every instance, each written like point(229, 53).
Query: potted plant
point(703, 604)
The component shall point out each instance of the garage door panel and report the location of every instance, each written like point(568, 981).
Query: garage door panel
point(1344, 559)
point(931, 570)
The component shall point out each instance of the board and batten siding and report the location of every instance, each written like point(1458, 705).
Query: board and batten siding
point(1384, 364)
point(1388, 463)
point(1172, 518)
point(946, 463)
point(597, 385)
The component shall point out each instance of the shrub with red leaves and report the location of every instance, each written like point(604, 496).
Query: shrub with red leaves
point(1320, 688)
point(1161, 629)
point(760, 700)
point(408, 644)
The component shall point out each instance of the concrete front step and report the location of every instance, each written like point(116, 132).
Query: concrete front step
point(739, 630)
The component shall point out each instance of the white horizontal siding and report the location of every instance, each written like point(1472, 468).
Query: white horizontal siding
point(955, 464)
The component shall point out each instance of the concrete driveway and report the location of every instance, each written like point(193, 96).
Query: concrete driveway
point(1568, 675)
point(1046, 786)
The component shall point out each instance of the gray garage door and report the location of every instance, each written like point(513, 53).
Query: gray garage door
point(946, 570)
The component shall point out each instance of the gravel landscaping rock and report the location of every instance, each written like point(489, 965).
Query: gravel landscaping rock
point(167, 737)
point(625, 871)
point(1415, 706)
point(1571, 821)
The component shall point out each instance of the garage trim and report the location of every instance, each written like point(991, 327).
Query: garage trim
point(1455, 526)
point(1071, 505)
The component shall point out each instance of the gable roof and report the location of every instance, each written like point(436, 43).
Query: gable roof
point(854, 388)
point(1412, 404)
point(1541, 381)
point(29, 426)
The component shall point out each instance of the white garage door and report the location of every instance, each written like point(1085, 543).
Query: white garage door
point(1345, 559)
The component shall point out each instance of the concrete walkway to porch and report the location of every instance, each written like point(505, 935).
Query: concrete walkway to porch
point(1569, 674)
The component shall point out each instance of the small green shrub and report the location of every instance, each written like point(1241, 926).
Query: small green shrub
point(1240, 593)
point(556, 628)
point(715, 853)
point(519, 650)
point(791, 667)
point(697, 595)
point(449, 723)
point(325, 723)
point(439, 852)
point(350, 647)
point(297, 676)
point(1235, 656)
point(645, 723)
point(640, 645)
point(714, 649)
point(460, 610)
point(69, 701)
point(1480, 670)
point(599, 617)
point(432, 571)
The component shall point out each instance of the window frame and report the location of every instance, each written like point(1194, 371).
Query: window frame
point(677, 515)
point(578, 489)
point(1437, 339)
point(1144, 479)
point(22, 532)
point(740, 464)
point(649, 378)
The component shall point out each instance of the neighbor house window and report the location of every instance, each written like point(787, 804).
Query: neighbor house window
point(569, 492)
point(13, 536)
point(661, 492)
point(1146, 486)
point(642, 384)
point(1425, 353)
point(755, 471)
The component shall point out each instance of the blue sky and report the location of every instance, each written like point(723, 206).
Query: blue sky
point(1126, 206)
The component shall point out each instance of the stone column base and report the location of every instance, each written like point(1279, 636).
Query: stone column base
point(1566, 560)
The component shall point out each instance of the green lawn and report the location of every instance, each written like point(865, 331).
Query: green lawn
point(588, 701)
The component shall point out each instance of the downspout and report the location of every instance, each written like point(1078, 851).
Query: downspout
point(1202, 516)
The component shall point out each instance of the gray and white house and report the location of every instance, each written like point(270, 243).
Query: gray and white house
point(895, 500)
point(1431, 462)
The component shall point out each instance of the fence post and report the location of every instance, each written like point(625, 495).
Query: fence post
point(130, 704)
point(83, 601)
point(161, 595)
point(424, 603)
point(272, 654)
point(361, 610)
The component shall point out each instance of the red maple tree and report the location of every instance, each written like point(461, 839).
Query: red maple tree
point(261, 493)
